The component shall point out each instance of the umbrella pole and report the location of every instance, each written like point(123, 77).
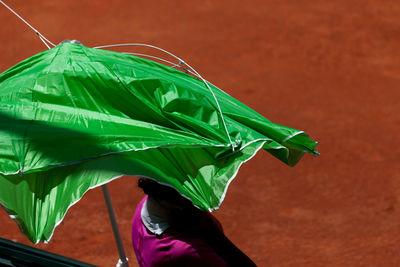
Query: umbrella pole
point(123, 262)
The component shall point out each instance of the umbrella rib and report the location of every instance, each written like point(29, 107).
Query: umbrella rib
point(41, 37)
point(181, 61)
point(173, 65)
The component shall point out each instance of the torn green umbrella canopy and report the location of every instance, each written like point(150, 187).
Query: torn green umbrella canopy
point(73, 118)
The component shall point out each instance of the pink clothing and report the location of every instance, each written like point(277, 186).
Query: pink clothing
point(170, 248)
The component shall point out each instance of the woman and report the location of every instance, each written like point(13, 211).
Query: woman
point(168, 230)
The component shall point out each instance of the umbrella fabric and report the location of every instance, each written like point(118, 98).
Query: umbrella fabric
point(73, 118)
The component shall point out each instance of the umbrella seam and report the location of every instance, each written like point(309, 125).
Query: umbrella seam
point(140, 149)
point(110, 153)
point(291, 136)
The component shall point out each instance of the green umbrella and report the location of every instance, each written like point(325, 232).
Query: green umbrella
point(73, 118)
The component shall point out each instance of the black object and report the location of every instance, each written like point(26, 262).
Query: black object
point(19, 255)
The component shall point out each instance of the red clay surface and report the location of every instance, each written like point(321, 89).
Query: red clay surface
point(331, 68)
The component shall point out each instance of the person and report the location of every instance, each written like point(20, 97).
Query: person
point(167, 230)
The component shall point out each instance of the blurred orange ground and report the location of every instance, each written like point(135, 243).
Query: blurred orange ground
point(331, 68)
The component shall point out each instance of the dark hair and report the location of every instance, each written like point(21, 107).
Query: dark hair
point(163, 192)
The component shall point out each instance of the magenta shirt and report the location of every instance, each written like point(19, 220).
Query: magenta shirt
point(170, 248)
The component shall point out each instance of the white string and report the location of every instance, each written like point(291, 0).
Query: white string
point(42, 38)
point(183, 62)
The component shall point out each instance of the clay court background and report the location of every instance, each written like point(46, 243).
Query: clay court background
point(331, 68)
